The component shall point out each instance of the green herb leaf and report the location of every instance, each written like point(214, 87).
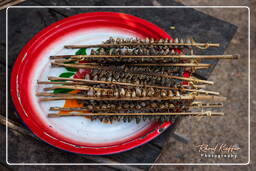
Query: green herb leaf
point(71, 69)
point(61, 90)
point(81, 51)
point(66, 74)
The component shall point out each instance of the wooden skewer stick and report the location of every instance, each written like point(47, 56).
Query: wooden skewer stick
point(75, 87)
point(172, 64)
point(67, 60)
point(205, 105)
point(136, 44)
point(199, 65)
point(135, 85)
point(201, 105)
point(187, 67)
point(60, 96)
point(84, 66)
point(83, 57)
point(61, 82)
point(198, 86)
point(105, 82)
point(207, 113)
point(88, 87)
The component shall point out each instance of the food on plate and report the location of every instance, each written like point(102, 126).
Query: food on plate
point(134, 79)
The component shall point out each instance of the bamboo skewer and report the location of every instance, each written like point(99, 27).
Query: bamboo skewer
point(183, 78)
point(75, 87)
point(128, 84)
point(67, 60)
point(174, 64)
point(60, 96)
point(205, 105)
point(89, 87)
point(197, 86)
point(105, 82)
point(61, 82)
point(86, 109)
point(198, 65)
point(187, 66)
point(207, 113)
point(201, 105)
point(136, 73)
point(147, 44)
point(236, 56)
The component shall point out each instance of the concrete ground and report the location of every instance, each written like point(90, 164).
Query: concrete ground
point(231, 79)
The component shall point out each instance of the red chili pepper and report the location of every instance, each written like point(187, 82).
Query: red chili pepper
point(185, 74)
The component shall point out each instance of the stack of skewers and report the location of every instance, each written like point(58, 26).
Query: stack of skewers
point(136, 79)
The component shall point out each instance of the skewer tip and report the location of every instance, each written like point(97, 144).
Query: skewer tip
point(220, 98)
point(68, 47)
point(52, 115)
point(222, 114)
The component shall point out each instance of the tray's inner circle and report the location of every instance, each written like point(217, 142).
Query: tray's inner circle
point(81, 129)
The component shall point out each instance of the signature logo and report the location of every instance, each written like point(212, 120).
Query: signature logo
point(218, 150)
point(221, 148)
